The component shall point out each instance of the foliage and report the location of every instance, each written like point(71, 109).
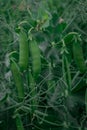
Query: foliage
point(43, 84)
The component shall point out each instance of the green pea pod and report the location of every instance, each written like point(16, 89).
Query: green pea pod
point(17, 79)
point(35, 57)
point(78, 56)
point(33, 93)
point(66, 72)
point(19, 123)
point(23, 50)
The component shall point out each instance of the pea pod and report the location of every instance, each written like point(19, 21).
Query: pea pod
point(17, 79)
point(66, 72)
point(33, 92)
point(35, 58)
point(23, 50)
point(19, 123)
point(78, 56)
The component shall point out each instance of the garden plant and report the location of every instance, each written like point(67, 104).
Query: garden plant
point(43, 51)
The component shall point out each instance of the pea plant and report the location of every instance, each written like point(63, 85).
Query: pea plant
point(38, 97)
point(40, 92)
point(46, 65)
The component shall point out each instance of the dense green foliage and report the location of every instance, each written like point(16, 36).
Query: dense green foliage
point(43, 65)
